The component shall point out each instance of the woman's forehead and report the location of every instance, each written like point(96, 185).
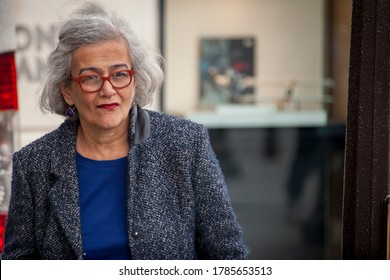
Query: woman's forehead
point(103, 56)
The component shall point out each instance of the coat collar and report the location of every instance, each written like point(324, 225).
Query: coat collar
point(64, 193)
point(139, 129)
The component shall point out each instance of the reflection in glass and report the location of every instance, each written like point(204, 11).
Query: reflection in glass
point(280, 181)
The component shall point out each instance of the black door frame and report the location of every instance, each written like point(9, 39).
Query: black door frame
point(366, 178)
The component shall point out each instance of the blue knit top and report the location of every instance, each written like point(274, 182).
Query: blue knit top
point(102, 187)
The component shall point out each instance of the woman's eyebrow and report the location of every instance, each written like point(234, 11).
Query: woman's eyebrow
point(90, 68)
point(99, 70)
point(120, 65)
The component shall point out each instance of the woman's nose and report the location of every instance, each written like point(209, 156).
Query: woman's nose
point(107, 89)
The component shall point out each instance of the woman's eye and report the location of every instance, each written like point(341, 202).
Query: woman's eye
point(120, 74)
point(90, 78)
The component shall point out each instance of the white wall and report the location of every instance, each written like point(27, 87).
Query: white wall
point(36, 21)
point(289, 36)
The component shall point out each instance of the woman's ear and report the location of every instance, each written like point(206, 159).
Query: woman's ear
point(66, 94)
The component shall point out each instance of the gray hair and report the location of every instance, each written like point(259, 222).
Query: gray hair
point(91, 25)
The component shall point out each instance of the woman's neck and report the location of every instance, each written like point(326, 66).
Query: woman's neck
point(102, 144)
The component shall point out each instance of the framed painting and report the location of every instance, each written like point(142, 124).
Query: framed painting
point(226, 71)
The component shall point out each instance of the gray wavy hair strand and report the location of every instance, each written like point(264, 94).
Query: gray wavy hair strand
point(91, 24)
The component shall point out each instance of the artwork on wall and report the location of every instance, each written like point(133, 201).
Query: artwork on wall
point(226, 71)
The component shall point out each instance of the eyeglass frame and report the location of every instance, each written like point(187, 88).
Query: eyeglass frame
point(104, 78)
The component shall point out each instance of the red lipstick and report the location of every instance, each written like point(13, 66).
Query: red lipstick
point(109, 106)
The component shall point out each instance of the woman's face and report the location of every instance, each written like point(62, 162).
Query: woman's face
point(107, 108)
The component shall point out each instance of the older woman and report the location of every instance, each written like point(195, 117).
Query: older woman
point(115, 181)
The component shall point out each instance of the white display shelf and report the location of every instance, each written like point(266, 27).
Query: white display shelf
point(253, 116)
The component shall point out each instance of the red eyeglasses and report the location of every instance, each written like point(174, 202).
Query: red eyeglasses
point(94, 83)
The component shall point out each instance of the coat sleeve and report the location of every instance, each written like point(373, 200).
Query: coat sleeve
point(19, 234)
point(218, 234)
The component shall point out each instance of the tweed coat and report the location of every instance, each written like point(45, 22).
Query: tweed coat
point(177, 201)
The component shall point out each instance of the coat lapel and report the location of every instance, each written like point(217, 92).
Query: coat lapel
point(64, 193)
